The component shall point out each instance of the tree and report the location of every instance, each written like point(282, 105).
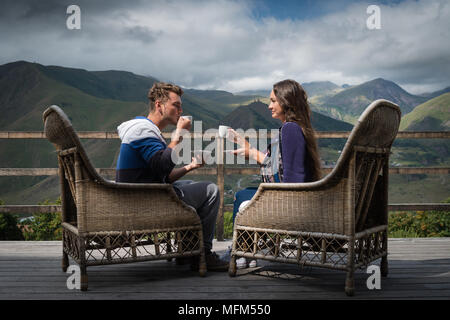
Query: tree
point(8, 227)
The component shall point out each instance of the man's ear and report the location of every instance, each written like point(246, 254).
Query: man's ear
point(158, 107)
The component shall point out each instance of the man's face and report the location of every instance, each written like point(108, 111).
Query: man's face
point(171, 109)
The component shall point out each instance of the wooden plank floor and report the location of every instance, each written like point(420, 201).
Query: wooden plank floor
point(418, 269)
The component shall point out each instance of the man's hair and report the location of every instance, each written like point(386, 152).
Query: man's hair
point(160, 91)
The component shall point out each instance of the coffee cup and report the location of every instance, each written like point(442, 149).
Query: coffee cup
point(223, 130)
point(188, 118)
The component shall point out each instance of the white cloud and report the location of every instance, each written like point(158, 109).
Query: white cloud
point(219, 45)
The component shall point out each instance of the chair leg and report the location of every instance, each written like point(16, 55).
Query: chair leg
point(84, 278)
point(202, 264)
point(350, 284)
point(64, 261)
point(384, 266)
point(169, 245)
point(232, 266)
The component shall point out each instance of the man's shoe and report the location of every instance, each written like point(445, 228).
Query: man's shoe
point(241, 263)
point(182, 261)
point(253, 264)
point(227, 255)
point(214, 263)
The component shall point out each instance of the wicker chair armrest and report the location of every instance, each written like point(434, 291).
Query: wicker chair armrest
point(146, 186)
point(127, 185)
point(111, 206)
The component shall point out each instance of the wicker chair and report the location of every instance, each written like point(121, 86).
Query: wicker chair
point(105, 222)
point(339, 222)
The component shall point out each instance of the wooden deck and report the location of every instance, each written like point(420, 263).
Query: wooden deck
point(418, 269)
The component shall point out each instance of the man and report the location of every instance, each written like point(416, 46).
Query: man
point(145, 157)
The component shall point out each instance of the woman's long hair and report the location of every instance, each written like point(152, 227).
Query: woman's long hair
point(293, 100)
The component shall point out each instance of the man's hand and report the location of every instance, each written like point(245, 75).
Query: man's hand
point(177, 173)
point(184, 123)
point(197, 162)
point(183, 126)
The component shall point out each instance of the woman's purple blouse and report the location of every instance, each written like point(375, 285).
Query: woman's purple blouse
point(293, 146)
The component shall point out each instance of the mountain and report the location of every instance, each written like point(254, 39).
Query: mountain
point(433, 115)
point(350, 103)
point(312, 89)
point(94, 101)
point(111, 96)
point(258, 116)
point(117, 85)
point(221, 97)
point(258, 93)
point(255, 115)
point(435, 93)
point(319, 87)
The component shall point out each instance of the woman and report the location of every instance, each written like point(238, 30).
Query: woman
point(292, 156)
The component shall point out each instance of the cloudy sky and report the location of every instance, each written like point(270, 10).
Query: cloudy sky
point(237, 45)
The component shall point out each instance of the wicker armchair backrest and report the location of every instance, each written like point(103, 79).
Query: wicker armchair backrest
point(59, 131)
point(370, 143)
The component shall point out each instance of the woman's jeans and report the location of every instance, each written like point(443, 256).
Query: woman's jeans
point(241, 196)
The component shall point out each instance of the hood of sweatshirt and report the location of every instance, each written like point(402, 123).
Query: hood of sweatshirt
point(137, 129)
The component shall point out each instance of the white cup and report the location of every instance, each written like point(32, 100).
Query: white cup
point(223, 131)
point(188, 118)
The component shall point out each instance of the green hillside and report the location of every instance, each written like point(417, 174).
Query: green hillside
point(435, 93)
point(258, 116)
point(433, 115)
point(255, 115)
point(117, 85)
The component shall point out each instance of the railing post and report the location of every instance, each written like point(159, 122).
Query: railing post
point(220, 184)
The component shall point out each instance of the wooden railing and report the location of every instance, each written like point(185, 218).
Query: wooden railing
point(220, 170)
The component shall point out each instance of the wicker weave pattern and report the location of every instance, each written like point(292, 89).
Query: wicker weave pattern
point(302, 248)
point(338, 222)
point(134, 209)
point(291, 210)
point(106, 222)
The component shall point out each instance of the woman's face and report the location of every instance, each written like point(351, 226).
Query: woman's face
point(275, 108)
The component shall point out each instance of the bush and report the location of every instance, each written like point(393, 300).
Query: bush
point(228, 225)
point(44, 226)
point(419, 224)
point(8, 228)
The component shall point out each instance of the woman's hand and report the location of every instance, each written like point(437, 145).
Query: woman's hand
point(245, 147)
point(245, 150)
point(237, 138)
point(250, 153)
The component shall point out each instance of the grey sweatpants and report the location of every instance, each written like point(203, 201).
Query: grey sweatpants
point(204, 197)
